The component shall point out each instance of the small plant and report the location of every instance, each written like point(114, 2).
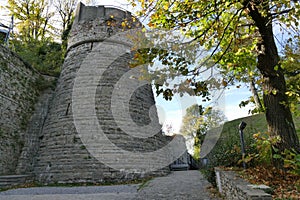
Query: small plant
point(263, 146)
point(266, 152)
point(291, 160)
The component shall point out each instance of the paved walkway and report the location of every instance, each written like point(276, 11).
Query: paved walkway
point(179, 185)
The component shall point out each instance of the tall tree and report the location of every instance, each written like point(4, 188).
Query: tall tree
point(221, 26)
point(66, 9)
point(32, 18)
point(34, 40)
point(197, 121)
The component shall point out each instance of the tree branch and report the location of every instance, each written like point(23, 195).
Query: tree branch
point(282, 12)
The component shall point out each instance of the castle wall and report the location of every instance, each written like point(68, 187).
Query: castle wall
point(18, 93)
point(62, 155)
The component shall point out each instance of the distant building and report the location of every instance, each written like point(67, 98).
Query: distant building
point(5, 32)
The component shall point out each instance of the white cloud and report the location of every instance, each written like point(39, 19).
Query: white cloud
point(234, 112)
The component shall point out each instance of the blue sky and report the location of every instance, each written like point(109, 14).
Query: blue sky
point(171, 112)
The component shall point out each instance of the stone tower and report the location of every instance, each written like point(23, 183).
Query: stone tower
point(65, 153)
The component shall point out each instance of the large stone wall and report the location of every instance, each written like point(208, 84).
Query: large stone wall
point(18, 93)
point(39, 134)
point(62, 156)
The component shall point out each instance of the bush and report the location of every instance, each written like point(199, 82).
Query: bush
point(44, 56)
point(259, 150)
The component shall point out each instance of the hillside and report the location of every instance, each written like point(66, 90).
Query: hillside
point(255, 123)
point(222, 145)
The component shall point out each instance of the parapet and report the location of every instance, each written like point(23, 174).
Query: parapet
point(97, 23)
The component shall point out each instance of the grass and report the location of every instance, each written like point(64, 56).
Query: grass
point(144, 184)
point(255, 123)
point(284, 186)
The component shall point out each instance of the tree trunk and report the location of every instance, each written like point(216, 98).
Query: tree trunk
point(278, 114)
point(255, 96)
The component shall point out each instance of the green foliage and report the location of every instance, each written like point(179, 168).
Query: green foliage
point(239, 40)
point(265, 152)
point(227, 151)
point(2, 38)
point(197, 121)
point(44, 56)
point(42, 84)
point(263, 145)
point(192, 121)
point(227, 29)
point(32, 18)
point(291, 161)
point(291, 66)
point(64, 37)
point(33, 39)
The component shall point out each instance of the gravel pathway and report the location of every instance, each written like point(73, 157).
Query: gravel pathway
point(179, 185)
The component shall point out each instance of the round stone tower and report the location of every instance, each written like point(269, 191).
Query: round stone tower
point(97, 110)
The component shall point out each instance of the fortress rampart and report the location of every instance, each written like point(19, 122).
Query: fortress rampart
point(99, 121)
point(62, 155)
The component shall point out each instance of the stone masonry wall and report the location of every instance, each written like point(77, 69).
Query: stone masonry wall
point(33, 134)
point(236, 188)
point(62, 156)
point(18, 93)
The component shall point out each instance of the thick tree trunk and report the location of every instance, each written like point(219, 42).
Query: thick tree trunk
point(278, 114)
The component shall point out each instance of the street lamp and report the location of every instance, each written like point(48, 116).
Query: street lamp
point(242, 126)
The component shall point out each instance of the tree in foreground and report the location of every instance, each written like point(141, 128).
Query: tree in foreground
point(239, 37)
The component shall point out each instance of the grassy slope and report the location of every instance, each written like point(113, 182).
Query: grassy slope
point(255, 123)
point(219, 141)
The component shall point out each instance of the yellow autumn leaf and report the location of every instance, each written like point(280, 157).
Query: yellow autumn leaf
point(166, 6)
point(274, 91)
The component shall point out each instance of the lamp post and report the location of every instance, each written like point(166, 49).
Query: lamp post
point(242, 126)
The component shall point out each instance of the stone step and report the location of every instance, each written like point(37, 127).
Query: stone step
point(12, 180)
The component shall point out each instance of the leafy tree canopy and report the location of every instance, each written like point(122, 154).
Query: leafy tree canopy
point(239, 39)
point(197, 121)
point(224, 28)
point(32, 18)
point(34, 37)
